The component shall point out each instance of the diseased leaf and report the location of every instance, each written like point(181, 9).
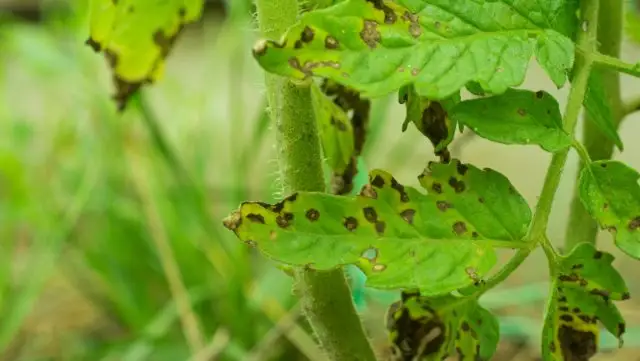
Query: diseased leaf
point(399, 237)
point(610, 192)
point(598, 111)
point(136, 37)
point(336, 132)
point(515, 117)
point(378, 46)
point(584, 287)
point(422, 328)
point(431, 118)
point(355, 110)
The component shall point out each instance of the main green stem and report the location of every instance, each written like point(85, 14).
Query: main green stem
point(325, 296)
point(581, 226)
point(587, 42)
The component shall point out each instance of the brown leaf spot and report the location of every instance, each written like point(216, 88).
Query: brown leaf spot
point(233, 221)
point(273, 235)
point(378, 267)
point(576, 345)
point(297, 44)
point(522, 112)
point(457, 185)
point(480, 199)
point(307, 35)
point(380, 227)
point(621, 328)
point(284, 220)
point(408, 215)
point(93, 44)
point(539, 94)
point(370, 34)
point(626, 296)
point(576, 310)
point(370, 214)
point(552, 346)
point(597, 255)
point(377, 181)
point(475, 234)
point(603, 293)
point(462, 169)
point(331, 43)
point(437, 187)
point(634, 224)
point(369, 192)
point(603, 165)
point(415, 30)
point(250, 243)
point(350, 223)
point(415, 71)
point(465, 326)
point(443, 205)
point(312, 214)
point(566, 318)
point(569, 278)
point(585, 318)
point(577, 266)
point(404, 197)
point(459, 228)
point(256, 218)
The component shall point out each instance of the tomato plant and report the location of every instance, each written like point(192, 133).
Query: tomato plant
point(436, 245)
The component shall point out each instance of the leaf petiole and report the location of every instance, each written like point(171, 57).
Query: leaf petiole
point(582, 151)
point(614, 63)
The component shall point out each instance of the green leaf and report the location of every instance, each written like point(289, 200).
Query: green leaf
point(399, 237)
point(376, 47)
point(430, 117)
point(598, 110)
point(136, 37)
point(336, 131)
point(610, 192)
point(515, 117)
point(584, 285)
point(422, 328)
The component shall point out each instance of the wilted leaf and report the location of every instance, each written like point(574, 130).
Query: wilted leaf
point(610, 192)
point(426, 329)
point(430, 117)
point(598, 111)
point(377, 47)
point(515, 117)
point(336, 132)
point(584, 286)
point(136, 37)
point(401, 238)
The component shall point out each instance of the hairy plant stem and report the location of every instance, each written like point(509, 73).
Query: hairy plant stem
point(325, 296)
point(581, 226)
point(587, 43)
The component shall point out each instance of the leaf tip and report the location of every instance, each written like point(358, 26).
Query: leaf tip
point(233, 221)
point(260, 48)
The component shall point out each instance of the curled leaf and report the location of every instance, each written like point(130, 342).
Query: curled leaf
point(136, 37)
point(431, 118)
point(584, 287)
point(423, 328)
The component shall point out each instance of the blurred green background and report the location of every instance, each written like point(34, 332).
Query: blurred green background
point(111, 242)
